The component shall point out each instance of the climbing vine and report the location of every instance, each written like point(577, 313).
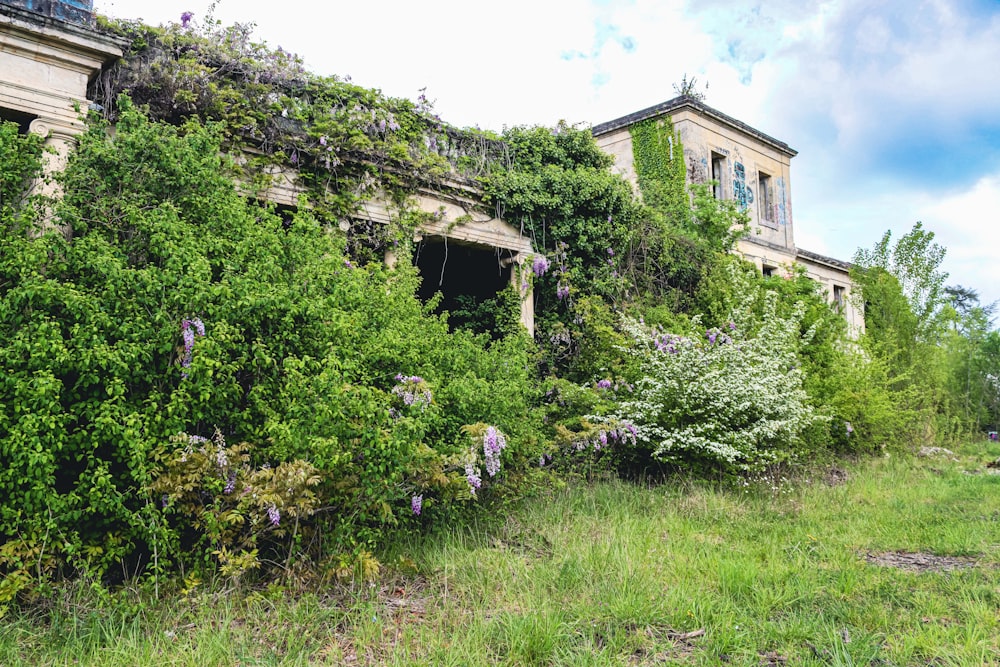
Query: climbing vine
point(659, 163)
point(338, 142)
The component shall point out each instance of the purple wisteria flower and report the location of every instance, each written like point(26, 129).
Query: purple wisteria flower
point(186, 19)
point(604, 384)
point(732, 326)
point(850, 429)
point(189, 329)
point(230, 483)
point(494, 442)
point(322, 140)
point(540, 264)
point(413, 390)
point(712, 335)
point(417, 504)
point(562, 291)
point(273, 515)
point(473, 477)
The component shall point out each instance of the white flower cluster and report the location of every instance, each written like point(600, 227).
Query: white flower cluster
point(724, 397)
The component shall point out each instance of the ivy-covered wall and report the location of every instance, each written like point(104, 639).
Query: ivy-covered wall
point(659, 165)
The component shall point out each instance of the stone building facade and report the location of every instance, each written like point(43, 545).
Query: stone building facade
point(49, 53)
point(749, 167)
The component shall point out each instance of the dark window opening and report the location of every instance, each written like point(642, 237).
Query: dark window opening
point(22, 119)
point(286, 213)
point(469, 278)
point(838, 295)
point(718, 175)
point(764, 197)
point(769, 271)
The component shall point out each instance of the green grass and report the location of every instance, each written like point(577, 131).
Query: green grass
point(612, 574)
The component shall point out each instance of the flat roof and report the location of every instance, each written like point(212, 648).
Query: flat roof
point(686, 101)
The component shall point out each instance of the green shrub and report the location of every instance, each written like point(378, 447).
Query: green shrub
point(180, 307)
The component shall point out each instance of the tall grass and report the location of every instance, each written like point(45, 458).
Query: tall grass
point(613, 574)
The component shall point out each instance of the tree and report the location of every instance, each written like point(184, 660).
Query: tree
point(914, 261)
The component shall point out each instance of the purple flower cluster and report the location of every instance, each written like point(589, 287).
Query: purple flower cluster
point(230, 483)
point(562, 286)
point(540, 264)
point(494, 442)
point(473, 477)
point(186, 19)
point(274, 515)
point(715, 336)
point(604, 384)
point(424, 106)
point(190, 328)
point(221, 459)
point(668, 342)
point(413, 390)
point(417, 504)
point(624, 432)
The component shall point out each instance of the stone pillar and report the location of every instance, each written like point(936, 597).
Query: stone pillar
point(60, 140)
point(519, 272)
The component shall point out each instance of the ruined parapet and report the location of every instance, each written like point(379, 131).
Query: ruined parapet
point(70, 11)
point(49, 52)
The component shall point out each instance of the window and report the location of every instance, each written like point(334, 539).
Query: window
point(718, 175)
point(764, 198)
point(769, 271)
point(22, 119)
point(838, 296)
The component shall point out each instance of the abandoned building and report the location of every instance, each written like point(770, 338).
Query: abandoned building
point(749, 167)
point(50, 51)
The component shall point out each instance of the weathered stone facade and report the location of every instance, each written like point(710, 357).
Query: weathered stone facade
point(50, 52)
point(750, 167)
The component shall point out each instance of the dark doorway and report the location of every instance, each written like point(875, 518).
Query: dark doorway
point(468, 277)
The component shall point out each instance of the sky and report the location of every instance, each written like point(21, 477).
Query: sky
point(893, 106)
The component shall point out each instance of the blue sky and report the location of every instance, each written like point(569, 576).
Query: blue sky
point(893, 106)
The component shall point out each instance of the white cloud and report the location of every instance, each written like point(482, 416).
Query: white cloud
point(886, 102)
point(968, 224)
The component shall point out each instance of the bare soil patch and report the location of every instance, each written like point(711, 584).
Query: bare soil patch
point(920, 562)
point(835, 476)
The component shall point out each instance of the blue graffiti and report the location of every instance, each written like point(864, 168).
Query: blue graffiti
point(783, 204)
point(741, 191)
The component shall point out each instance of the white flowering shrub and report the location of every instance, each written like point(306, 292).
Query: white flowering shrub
point(723, 398)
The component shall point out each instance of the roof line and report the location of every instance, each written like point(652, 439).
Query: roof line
point(679, 102)
point(816, 257)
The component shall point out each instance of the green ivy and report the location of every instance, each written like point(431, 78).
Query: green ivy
point(658, 157)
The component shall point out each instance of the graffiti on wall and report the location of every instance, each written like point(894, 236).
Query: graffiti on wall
point(742, 192)
point(782, 205)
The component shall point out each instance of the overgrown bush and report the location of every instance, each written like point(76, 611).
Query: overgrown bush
point(729, 398)
point(180, 307)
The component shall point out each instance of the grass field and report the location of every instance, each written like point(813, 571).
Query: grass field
point(891, 561)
